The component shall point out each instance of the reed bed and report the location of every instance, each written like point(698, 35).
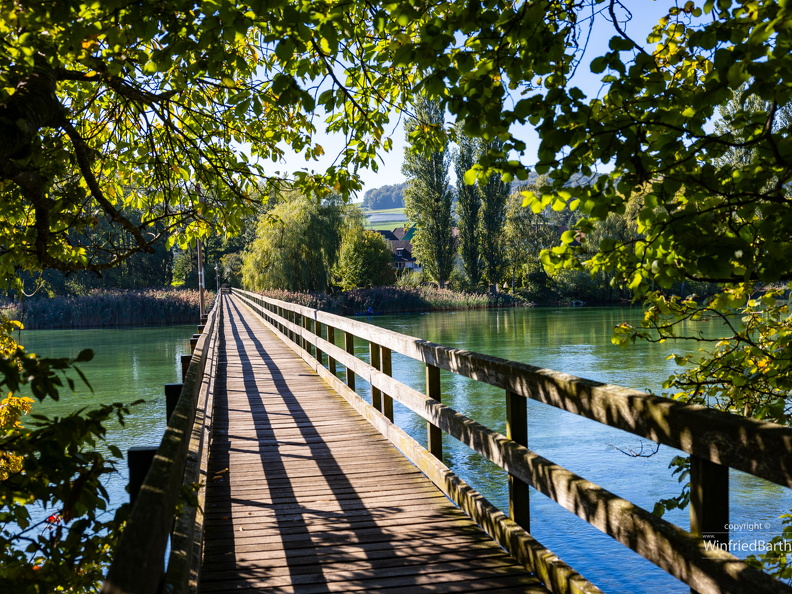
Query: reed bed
point(101, 308)
point(393, 299)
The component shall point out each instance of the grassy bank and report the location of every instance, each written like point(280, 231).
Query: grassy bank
point(148, 307)
point(382, 300)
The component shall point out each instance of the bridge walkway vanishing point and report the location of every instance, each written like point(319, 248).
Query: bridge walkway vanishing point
point(304, 495)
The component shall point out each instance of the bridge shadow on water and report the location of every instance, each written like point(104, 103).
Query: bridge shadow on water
point(293, 511)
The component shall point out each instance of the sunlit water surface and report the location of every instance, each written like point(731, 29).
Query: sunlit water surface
point(135, 363)
point(575, 341)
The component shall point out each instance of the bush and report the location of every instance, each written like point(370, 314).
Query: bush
point(101, 308)
point(395, 299)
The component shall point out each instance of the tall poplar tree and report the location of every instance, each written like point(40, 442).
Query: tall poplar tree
point(468, 209)
point(494, 194)
point(427, 199)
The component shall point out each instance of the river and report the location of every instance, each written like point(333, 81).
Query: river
point(575, 341)
point(134, 363)
point(129, 364)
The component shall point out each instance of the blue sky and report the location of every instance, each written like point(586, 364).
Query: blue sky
point(645, 14)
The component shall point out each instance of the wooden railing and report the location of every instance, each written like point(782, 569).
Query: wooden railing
point(716, 441)
point(177, 468)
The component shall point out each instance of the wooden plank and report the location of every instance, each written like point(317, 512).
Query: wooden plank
point(288, 495)
point(465, 580)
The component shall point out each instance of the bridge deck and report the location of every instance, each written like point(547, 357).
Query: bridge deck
point(305, 496)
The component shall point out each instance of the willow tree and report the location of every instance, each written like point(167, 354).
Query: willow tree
point(428, 197)
point(295, 247)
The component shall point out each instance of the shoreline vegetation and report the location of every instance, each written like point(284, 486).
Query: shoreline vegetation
point(109, 308)
point(395, 299)
point(160, 307)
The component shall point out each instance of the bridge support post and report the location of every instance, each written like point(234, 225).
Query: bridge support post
point(172, 393)
point(374, 357)
point(709, 500)
point(517, 430)
point(386, 368)
point(434, 434)
point(185, 365)
point(331, 363)
point(349, 346)
point(139, 459)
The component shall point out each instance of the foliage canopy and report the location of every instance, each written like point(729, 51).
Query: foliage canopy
point(142, 119)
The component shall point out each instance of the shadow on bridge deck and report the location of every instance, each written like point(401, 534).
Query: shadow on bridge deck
point(305, 496)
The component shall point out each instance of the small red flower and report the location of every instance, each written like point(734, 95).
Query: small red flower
point(54, 519)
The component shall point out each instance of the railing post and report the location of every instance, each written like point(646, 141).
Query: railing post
point(709, 500)
point(434, 436)
point(317, 330)
point(374, 356)
point(386, 368)
point(301, 323)
point(331, 363)
point(517, 430)
point(349, 347)
point(308, 325)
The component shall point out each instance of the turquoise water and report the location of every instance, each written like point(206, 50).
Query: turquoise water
point(133, 363)
point(129, 364)
point(575, 341)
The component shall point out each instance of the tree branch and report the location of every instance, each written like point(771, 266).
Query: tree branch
point(81, 151)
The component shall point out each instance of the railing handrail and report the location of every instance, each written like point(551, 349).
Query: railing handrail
point(139, 558)
point(715, 439)
point(760, 448)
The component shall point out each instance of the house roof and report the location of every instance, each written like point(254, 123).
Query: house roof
point(403, 234)
point(387, 235)
point(395, 246)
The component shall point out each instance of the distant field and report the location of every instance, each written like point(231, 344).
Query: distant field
point(385, 220)
point(382, 226)
point(385, 211)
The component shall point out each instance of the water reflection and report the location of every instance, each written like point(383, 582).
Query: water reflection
point(129, 364)
point(575, 341)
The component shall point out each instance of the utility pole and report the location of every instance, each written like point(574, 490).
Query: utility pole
point(200, 278)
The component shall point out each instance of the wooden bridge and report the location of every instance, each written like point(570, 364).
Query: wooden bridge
point(274, 475)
